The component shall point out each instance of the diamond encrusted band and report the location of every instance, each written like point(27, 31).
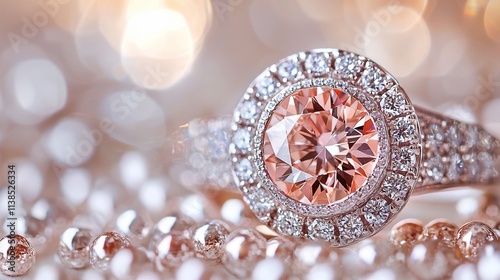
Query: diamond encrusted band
point(325, 144)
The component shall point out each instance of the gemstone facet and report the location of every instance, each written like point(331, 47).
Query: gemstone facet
point(320, 145)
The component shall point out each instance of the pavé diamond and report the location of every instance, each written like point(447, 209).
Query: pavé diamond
point(321, 229)
point(348, 65)
point(241, 139)
point(289, 223)
point(395, 187)
point(404, 159)
point(393, 103)
point(249, 110)
point(320, 145)
point(404, 130)
point(376, 211)
point(350, 226)
point(317, 63)
point(288, 69)
point(260, 201)
point(374, 80)
point(265, 87)
point(244, 169)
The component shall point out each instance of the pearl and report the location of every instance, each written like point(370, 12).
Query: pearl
point(406, 232)
point(440, 230)
point(171, 250)
point(104, 248)
point(242, 250)
point(209, 238)
point(74, 250)
point(471, 237)
point(18, 261)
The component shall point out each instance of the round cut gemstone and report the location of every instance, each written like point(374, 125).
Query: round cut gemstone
point(320, 145)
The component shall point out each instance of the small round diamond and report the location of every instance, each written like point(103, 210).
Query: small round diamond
point(321, 229)
point(320, 145)
point(260, 201)
point(289, 70)
point(241, 140)
point(244, 169)
point(404, 159)
point(374, 80)
point(404, 130)
point(265, 87)
point(376, 212)
point(350, 226)
point(434, 169)
point(249, 110)
point(348, 65)
point(393, 103)
point(395, 187)
point(317, 63)
point(289, 223)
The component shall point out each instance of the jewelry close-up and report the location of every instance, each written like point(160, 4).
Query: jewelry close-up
point(325, 144)
point(217, 139)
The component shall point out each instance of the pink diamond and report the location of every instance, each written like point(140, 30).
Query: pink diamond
point(320, 145)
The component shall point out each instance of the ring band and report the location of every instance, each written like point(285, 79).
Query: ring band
point(325, 144)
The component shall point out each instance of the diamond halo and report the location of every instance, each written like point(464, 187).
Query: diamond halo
point(363, 212)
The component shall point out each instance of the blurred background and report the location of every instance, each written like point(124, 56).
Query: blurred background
point(91, 89)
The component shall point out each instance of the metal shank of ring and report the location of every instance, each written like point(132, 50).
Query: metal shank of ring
point(454, 153)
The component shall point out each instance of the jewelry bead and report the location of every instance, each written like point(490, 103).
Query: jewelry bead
point(431, 260)
point(104, 247)
point(465, 271)
point(281, 247)
point(440, 230)
point(134, 224)
point(370, 255)
point(471, 237)
point(127, 263)
point(171, 250)
point(209, 238)
point(23, 255)
point(34, 230)
point(270, 268)
point(311, 253)
point(406, 232)
point(73, 250)
point(170, 224)
point(242, 250)
point(196, 269)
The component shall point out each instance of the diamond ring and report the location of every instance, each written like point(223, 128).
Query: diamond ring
point(325, 144)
